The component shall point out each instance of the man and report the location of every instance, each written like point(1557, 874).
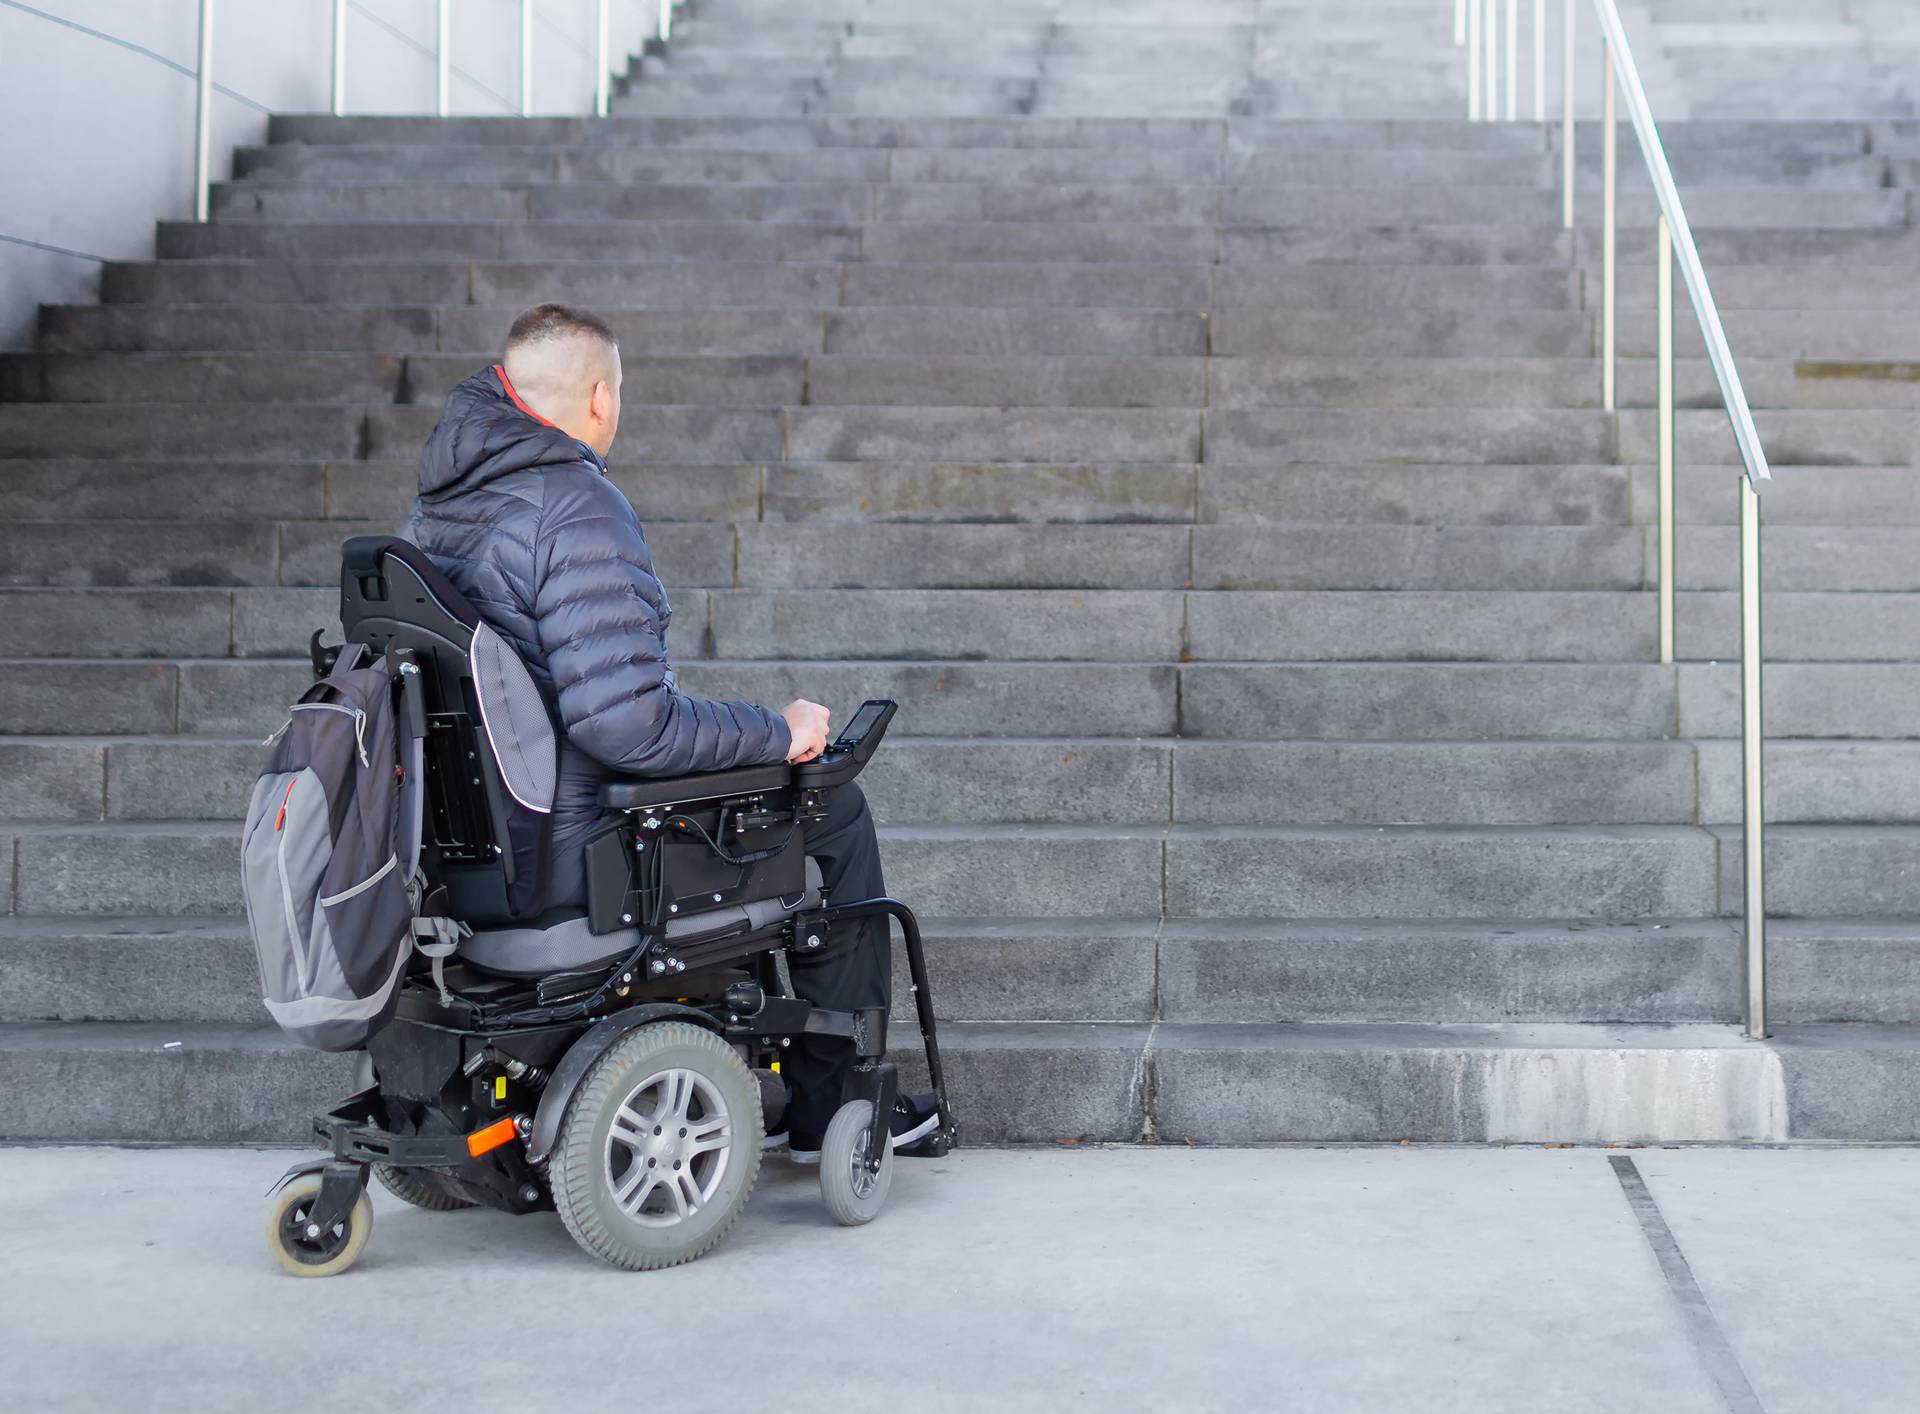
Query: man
point(516, 509)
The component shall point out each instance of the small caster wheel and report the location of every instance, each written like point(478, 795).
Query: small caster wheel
point(323, 1254)
point(854, 1194)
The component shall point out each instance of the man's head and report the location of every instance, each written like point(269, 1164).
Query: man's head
point(565, 365)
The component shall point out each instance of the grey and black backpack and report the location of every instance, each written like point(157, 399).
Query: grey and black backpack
point(329, 858)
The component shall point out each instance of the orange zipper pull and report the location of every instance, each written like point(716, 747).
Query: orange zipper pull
point(281, 818)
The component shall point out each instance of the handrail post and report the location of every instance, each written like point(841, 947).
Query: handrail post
point(203, 117)
point(602, 86)
point(666, 20)
point(1540, 61)
point(1753, 771)
point(1667, 586)
point(1490, 32)
point(526, 58)
point(1568, 87)
point(1513, 61)
point(1475, 10)
point(1609, 201)
point(1459, 23)
point(442, 56)
point(339, 57)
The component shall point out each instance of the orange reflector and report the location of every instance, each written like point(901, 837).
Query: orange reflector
point(492, 1137)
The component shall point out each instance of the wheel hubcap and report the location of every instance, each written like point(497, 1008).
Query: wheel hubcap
point(668, 1148)
point(865, 1180)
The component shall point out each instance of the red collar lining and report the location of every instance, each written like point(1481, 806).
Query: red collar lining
point(500, 372)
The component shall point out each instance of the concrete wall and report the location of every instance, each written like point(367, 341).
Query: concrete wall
point(97, 106)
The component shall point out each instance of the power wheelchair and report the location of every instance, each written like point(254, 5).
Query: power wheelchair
point(619, 1066)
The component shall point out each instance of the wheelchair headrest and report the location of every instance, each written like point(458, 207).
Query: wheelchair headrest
point(363, 557)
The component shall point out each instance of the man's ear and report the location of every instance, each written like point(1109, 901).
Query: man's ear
point(600, 402)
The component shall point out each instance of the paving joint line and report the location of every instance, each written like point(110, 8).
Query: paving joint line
point(1709, 1341)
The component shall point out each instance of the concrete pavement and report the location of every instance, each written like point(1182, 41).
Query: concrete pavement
point(1430, 1279)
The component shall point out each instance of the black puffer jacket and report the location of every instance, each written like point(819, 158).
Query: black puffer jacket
point(521, 517)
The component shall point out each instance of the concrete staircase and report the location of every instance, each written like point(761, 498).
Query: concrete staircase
point(1228, 504)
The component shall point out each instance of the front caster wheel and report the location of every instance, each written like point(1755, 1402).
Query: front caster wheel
point(854, 1194)
point(309, 1252)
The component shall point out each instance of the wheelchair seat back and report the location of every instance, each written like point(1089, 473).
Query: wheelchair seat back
point(490, 748)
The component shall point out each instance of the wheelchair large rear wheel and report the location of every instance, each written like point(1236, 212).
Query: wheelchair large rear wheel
point(659, 1148)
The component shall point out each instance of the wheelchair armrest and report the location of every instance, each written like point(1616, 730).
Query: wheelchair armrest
point(678, 790)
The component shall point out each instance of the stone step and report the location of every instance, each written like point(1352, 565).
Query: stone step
point(1260, 203)
point(1458, 495)
point(762, 134)
point(1066, 624)
point(1333, 701)
point(1254, 329)
point(996, 358)
point(1613, 872)
point(788, 134)
point(887, 242)
point(1419, 274)
point(651, 333)
point(234, 697)
point(1096, 781)
point(1794, 436)
point(1861, 345)
point(1066, 971)
point(1117, 1082)
point(1783, 166)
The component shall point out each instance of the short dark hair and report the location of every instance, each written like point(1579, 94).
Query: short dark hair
point(554, 321)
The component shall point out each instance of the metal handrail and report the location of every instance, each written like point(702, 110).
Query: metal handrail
point(1621, 77)
point(442, 77)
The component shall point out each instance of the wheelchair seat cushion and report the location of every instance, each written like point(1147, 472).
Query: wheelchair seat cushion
point(571, 946)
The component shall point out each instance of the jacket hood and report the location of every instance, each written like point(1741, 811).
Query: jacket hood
point(486, 432)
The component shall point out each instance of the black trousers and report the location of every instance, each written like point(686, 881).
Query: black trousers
point(854, 970)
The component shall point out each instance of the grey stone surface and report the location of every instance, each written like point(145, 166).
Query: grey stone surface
point(872, 492)
point(931, 623)
point(1427, 701)
point(1387, 783)
point(48, 695)
point(1296, 556)
point(851, 554)
point(113, 623)
point(140, 553)
point(144, 869)
point(51, 780)
point(1446, 625)
point(1214, 972)
point(84, 969)
point(1578, 872)
point(983, 700)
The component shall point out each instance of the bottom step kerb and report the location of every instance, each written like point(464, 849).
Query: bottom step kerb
point(1114, 1082)
point(1522, 1084)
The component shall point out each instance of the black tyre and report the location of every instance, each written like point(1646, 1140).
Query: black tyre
point(854, 1194)
point(659, 1149)
point(420, 1188)
point(305, 1251)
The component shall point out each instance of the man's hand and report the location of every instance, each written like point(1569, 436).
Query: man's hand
point(808, 722)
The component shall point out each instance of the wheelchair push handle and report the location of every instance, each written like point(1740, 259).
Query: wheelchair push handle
point(847, 755)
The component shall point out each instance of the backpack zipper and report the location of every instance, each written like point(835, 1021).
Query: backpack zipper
point(359, 722)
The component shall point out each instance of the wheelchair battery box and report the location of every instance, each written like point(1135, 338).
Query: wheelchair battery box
point(691, 859)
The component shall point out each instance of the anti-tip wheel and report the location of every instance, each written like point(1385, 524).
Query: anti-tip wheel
point(306, 1252)
point(853, 1193)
